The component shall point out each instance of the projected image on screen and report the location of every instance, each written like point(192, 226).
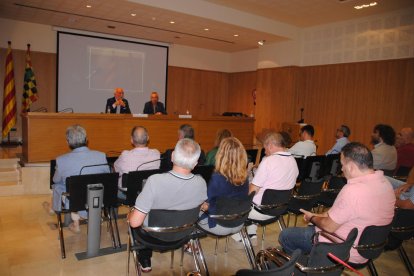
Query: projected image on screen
point(90, 68)
point(109, 65)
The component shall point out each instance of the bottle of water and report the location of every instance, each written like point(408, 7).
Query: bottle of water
point(108, 109)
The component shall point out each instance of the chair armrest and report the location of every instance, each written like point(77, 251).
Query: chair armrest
point(306, 197)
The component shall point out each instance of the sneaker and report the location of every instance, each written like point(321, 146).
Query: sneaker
point(145, 265)
point(252, 236)
point(47, 208)
point(74, 228)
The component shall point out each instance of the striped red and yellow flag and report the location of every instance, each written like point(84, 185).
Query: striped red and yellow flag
point(30, 90)
point(9, 96)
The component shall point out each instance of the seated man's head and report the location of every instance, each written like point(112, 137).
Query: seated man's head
point(154, 98)
point(356, 159)
point(405, 136)
point(222, 134)
point(343, 131)
point(383, 134)
point(76, 136)
point(274, 142)
point(307, 132)
point(186, 131)
point(139, 136)
point(118, 93)
point(186, 154)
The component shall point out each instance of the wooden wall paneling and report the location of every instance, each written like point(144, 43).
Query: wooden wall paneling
point(241, 86)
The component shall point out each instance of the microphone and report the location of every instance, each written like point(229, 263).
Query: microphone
point(302, 120)
point(97, 165)
point(159, 159)
point(66, 110)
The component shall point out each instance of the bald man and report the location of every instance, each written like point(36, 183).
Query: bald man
point(117, 104)
point(405, 148)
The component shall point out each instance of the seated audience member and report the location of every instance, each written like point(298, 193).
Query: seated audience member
point(384, 152)
point(154, 106)
point(229, 180)
point(404, 194)
point(71, 163)
point(405, 148)
point(139, 158)
point(211, 155)
point(306, 146)
point(278, 171)
point(178, 189)
point(185, 131)
point(117, 104)
point(342, 134)
point(367, 199)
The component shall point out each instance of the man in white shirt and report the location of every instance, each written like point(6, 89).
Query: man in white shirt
point(384, 152)
point(342, 134)
point(139, 158)
point(305, 147)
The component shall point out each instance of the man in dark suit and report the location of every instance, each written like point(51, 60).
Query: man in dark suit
point(154, 106)
point(117, 104)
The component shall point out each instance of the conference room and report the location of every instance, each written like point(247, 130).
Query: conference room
point(251, 67)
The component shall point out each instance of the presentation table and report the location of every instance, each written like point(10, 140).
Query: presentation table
point(44, 133)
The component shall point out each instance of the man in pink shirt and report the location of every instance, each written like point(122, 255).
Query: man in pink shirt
point(277, 171)
point(367, 199)
point(139, 158)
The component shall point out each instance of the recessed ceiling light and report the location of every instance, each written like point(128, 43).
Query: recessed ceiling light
point(153, 18)
point(172, 22)
point(133, 14)
point(261, 42)
point(88, 6)
point(206, 29)
point(365, 5)
point(235, 35)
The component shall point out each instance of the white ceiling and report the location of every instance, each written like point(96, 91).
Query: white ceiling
point(251, 20)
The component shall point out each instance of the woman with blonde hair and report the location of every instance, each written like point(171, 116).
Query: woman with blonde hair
point(211, 155)
point(228, 180)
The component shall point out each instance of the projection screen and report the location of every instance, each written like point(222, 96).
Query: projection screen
point(89, 68)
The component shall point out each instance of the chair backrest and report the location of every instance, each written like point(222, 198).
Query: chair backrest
point(402, 171)
point(311, 167)
point(372, 241)
point(286, 269)
point(134, 183)
point(76, 186)
point(336, 183)
point(308, 188)
point(232, 212)
point(205, 171)
point(172, 225)
point(251, 155)
point(402, 225)
point(274, 202)
point(318, 257)
point(331, 166)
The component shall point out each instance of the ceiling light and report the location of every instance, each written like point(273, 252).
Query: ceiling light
point(172, 22)
point(235, 35)
point(206, 29)
point(153, 18)
point(365, 5)
point(261, 42)
point(133, 14)
point(88, 6)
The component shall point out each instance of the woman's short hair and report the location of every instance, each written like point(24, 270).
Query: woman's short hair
point(186, 153)
point(221, 134)
point(76, 136)
point(231, 161)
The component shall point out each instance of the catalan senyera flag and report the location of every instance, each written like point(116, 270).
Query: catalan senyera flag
point(9, 96)
point(30, 90)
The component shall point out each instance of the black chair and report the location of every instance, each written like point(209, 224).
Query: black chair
point(402, 173)
point(274, 203)
point(52, 172)
point(403, 229)
point(251, 155)
point(205, 171)
point(266, 259)
point(310, 168)
point(305, 197)
point(134, 181)
point(371, 244)
point(318, 261)
point(232, 213)
point(76, 193)
point(167, 230)
point(329, 194)
point(332, 166)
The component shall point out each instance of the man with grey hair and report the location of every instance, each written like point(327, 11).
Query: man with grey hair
point(71, 163)
point(185, 131)
point(342, 134)
point(177, 189)
point(139, 158)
